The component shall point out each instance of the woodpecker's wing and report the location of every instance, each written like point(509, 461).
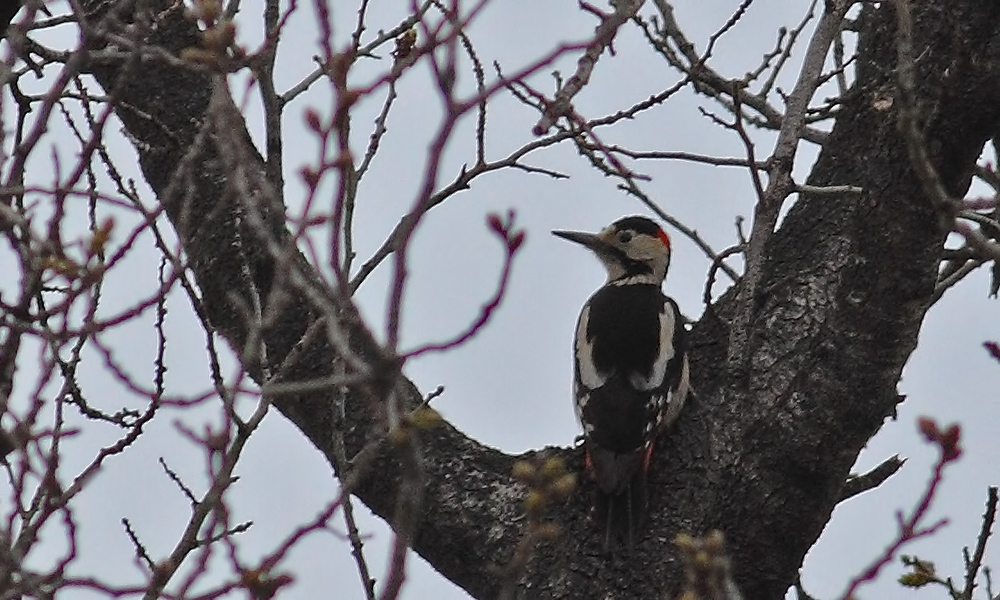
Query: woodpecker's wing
point(629, 365)
point(588, 376)
point(671, 365)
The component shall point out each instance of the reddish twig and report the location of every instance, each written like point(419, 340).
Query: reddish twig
point(513, 239)
point(909, 527)
point(994, 349)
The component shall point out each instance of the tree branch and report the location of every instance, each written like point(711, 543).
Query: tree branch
point(841, 290)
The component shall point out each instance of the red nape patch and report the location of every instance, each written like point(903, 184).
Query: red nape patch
point(664, 238)
point(587, 465)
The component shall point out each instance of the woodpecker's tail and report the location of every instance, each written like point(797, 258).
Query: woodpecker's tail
point(621, 499)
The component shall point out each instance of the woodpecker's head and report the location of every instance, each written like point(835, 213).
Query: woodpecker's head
point(633, 248)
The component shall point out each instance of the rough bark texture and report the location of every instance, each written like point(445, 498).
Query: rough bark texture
point(763, 449)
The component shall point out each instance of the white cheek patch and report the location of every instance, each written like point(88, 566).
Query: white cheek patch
point(589, 377)
point(659, 369)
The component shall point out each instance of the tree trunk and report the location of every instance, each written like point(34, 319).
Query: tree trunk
point(763, 448)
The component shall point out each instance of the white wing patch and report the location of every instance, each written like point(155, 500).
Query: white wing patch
point(582, 397)
point(589, 378)
point(676, 396)
point(581, 404)
point(659, 369)
point(660, 403)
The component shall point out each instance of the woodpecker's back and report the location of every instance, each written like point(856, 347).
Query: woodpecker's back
point(630, 368)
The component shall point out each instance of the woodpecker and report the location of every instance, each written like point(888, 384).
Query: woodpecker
point(631, 369)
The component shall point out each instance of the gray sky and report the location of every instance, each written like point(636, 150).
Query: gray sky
point(510, 386)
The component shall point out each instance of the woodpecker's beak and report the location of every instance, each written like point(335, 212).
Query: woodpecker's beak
point(590, 240)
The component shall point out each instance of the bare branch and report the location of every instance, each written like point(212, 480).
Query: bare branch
point(604, 37)
point(780, 183)
point(709, 82)
point(859, 484)
point(719, 161)
point(831, 190)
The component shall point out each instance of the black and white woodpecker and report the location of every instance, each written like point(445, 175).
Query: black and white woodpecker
point(631, 371)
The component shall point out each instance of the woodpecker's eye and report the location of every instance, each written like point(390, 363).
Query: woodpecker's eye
point(625, 236)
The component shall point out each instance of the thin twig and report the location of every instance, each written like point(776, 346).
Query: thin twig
point(972, 566)
point(780, 183)
point(719, 161)
point(140, 549)
point(512, 240)
point(604, 37)
point(947, 280)
point(180, 484)
point(909, 528)
point(858, 484)
point(367, 50)
point(792, 38)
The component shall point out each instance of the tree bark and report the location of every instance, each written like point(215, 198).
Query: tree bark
point(762, 450)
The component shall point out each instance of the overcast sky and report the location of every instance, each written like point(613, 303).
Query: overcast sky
point(510, 387)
